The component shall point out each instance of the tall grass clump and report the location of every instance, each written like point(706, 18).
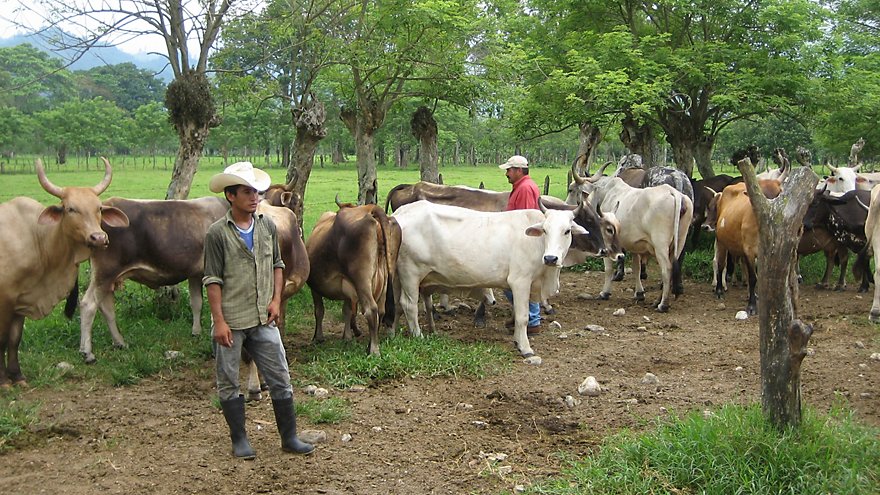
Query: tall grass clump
point(15, 418)
point(343, 364)
point(732, 451)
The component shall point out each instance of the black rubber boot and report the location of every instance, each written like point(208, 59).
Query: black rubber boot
point(233, 411)
point(285, 418)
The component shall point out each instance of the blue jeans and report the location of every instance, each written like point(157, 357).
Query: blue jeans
point(264, 345)
point(534, 310)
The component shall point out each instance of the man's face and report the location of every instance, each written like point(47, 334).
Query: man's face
point(245, 199)
point(514, 174)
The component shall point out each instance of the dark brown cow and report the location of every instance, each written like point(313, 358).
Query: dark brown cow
point(40, 254)
point(353, 254)
point(163, 245)
point(463, 196)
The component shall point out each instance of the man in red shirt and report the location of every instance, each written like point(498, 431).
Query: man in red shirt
point(524, 196)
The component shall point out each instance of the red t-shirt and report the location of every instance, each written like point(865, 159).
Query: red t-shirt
point(524, 196)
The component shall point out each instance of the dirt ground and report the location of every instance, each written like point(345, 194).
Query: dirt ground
point(444, 435)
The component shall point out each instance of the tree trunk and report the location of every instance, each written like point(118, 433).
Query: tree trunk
point(639, 139)
point(783, 338)
point(424, 128)
point(589, 137)
point(309, 119)
point(682, 154)
point(192, 142)
point(703, 156)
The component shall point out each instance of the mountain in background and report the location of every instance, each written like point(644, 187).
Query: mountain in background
point(97, 56)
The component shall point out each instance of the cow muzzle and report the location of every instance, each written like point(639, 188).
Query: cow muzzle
point(551, 260)
point(99, 239)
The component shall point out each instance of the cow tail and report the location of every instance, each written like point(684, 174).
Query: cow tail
point(676, 248)
point(391, 193)
point(72, 300)
point(385, 245)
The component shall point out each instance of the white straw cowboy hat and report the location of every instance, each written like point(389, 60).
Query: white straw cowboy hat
point(516, 161)
point(241, 173)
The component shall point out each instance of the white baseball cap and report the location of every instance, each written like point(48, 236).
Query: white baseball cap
point(516, 161)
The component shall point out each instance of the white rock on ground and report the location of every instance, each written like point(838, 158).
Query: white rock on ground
point(650, 379)
point(741, 315)
point(590, 387)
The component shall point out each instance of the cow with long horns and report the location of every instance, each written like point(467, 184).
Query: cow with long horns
point(40, 257)
point(653, 222)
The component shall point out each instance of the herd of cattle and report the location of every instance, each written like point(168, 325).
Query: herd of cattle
point(429, 239)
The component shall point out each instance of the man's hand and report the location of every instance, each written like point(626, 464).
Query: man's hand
point(274, 311)
point(222, 334)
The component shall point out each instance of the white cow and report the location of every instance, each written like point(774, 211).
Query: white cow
point(872, 232)
point(653, 222)
point(448, 246)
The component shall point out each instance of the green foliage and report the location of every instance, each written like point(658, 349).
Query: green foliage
point(343, 364)
point(332, 410)
point(15, 418)
point(189, 101)
point(735, 450)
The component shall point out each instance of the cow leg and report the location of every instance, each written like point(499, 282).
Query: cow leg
point(863, 266)
point(644, 266)
point(443, 302)
point(639, 294)
point(408, 289)
point(370, 309)
point(842, 262)
point(826, 277)
point(488, 298)
point(428, 301)
point(521, 318)
point(5, 324)
point(348, 317)
point(665, 263)
point(13, 368)
point(719, 269)
point(752, 306)
point(875, 306)
point(88, 308)
point(677, 285)
point(606, 287)
point(318, 303)
point(619, 270)
point(195, 304)
point(254, 391)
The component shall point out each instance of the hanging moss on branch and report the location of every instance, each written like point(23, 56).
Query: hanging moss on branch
point(189, 102)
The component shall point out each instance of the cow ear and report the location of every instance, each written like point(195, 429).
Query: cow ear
point(578, 230)
point(536, 230)
point(859, 178)
point(114, 217)
point(51, 215)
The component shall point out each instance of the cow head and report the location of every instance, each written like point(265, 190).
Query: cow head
point(580, 187)
point(711, 220)
point(80, 213)
point(844, 179)
point(557, 229)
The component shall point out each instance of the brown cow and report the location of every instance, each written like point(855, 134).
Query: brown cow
point(40, 256)
point(736, 232)
point(353, 254)
point(162, 245)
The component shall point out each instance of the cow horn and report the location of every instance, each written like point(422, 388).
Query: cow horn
point(541, 206)
point(338, 204)
point(711, 190)
point(784, 175)
point(863, 205)
point(856, 168)
point(44, 181)
point(105, 182)
point(599, 172)
point(575, 175)
point(833, 169)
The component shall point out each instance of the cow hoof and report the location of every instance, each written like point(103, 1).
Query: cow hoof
point(875, 316)
point(550, 311)
point(254, 396)
point(863, 290)
point(5, 386)
point(821, 286)
point(639, 296)
point(120, 346)
point(677, 290)
point(604, 296)
point(20, 383)
point(643, 275)
point(800, 279)
point(751, 310)
point(662, 308)
point(479, 323)
point(89, 358)
point(838, 288)
point(617, 277)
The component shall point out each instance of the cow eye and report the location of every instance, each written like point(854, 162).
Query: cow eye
point(567, 232)
point(71, 209)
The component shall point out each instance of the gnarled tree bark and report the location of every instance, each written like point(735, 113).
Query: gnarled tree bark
point(424, 128)
point(783, 338)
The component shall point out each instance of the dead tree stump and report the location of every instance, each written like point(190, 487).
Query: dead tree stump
point(783, 338)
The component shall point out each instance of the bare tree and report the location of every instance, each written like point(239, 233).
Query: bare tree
point(783, 337)
point(183, 25)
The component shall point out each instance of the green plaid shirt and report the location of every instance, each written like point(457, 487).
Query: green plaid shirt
point(246, 277)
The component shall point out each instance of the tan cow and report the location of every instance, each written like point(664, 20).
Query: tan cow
point(352, 255)
point(40, 255)
point(736, 232)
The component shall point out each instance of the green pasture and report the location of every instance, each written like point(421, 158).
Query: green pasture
point(733, 451)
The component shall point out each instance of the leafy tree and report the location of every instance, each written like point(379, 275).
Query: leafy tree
point(32, 80)
point(81, 125)
point(15, 129)
point(124, 84)
point(150, 128)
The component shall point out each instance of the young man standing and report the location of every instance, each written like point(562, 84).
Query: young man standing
point(524, 196)
point(243, 279)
